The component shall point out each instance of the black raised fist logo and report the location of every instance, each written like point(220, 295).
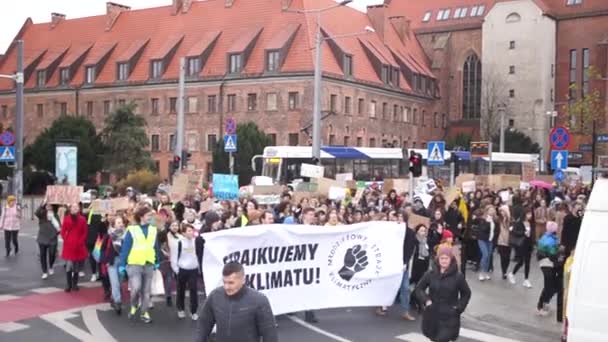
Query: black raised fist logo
point(355, 260)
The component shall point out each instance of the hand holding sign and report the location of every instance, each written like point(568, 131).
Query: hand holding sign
point(355, 260)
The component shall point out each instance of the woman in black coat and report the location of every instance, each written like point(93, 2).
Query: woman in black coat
point(447, 298)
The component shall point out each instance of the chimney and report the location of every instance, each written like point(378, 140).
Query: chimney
point(401, 25)
point(113, 10)
point(186, 5)
point(285, 4)
point(377, 16)
point(177, 6)
point(228, 3)
point(56, 18)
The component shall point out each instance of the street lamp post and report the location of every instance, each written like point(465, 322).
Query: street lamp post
point(501, 110)
point(316, 114)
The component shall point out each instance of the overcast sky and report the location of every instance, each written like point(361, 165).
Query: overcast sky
point(40, 11)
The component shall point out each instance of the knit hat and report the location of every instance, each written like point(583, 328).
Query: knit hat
point(444, 249)
point(551, 227)
point(447, 234)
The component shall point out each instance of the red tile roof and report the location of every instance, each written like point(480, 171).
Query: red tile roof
point(281, 38)
point(170, 44)
point(74, 54)
point(51, 57)
point(204, 23)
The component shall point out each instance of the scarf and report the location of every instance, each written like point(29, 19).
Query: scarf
point(423, 248)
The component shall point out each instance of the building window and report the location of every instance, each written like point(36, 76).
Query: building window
point(293, 100)
point(211, 104)
point(89, 75)
point(332, 140)
point(477, 11)
point(511, 122)
point(192, 104)
point(552, 96)
point(271, 101)
point(573, 63)
point(157, 69)
point(155, 143)
point(172, 142)
point(406, 114)
point(39, 110)
point(123, 71)
point(293, 139)
point(443, 14)
point(236, 61)
point(211, 142)
point(231, 102)
point(361, 106)
point(395, 113)
point(512, 45)
point(348, 104)
point(511, 93)
point(461, 12)
point(435, 120)
point(348, 65)
point(252, 102)
point(574, 2)
point(41, 78)
point(122, 102)
point(154, 105)
point(359, 142)
point(172, 105)
point(427, 16)
point(106, 107)
point(444, 120)
point(63, 108)
point(90, 108)
point(372, 142)
point(423, 118)
point(585, 71)
point(273, 60)
point(372, 109)
point(415, 116)
point(471, 99)
point(64, 76)
point(512, 69)
point(4, 111)
point(333, 103)
point(193, 66)
point(191, 141)
point(273, 139)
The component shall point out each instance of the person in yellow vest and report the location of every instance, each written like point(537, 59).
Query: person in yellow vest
point(139, 256)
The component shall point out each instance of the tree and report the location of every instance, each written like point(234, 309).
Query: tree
point(251, 142)
point(493, 100)
point(40, 155)
point(515, 142)
point(584, 111)
point(126, 140)
point(460, 140)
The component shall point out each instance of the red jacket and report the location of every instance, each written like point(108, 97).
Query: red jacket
point(74, 234)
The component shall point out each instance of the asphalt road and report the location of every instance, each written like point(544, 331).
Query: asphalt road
point(32, 309)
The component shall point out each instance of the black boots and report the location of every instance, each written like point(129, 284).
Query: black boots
point(75, 281)
point(69, 281)
point(117, 307)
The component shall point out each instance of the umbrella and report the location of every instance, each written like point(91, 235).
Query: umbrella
point(541, 184)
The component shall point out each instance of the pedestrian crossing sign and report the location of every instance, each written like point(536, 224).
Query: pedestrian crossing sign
point(435, 153)
point(230, 143)
point(7, 154)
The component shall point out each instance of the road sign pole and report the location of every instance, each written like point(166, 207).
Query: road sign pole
point(452, 173)
point(490, 158)
point(18, 176)
point(179, 141)
point(231, 162)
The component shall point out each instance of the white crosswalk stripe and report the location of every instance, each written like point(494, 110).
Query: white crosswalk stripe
point(45, 290)
point(10, 327)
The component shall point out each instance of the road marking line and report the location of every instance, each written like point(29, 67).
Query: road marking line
point(59, 319)
point(4, 269)
point(412, 337)
point(90, 284)
point(317, 330)
point(483, 337)
point(10, 327)
point(8, 297)
point(45, 290)
point(91, 321)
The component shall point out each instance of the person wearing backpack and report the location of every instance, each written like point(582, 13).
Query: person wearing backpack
point(186, 265)
point(548, 246)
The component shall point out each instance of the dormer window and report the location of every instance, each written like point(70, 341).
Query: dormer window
point(41, 78)
point(427, 16)
point(348, 65)
point(156, 69)
point(64, 76)
point(193, 66)
point(236, 63)
point(123, 71)
point(573, 2)
point(89, 77)
point(385, 74)
point(273, 61)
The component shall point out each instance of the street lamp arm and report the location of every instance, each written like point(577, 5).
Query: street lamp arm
point(319, 10)
point(347, 35)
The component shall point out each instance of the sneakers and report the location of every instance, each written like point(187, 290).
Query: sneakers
point(406, 316)
point(44, 275)
point(51, 271)
point(542, 312)
point(488, 276)
point(132, 312)
point(482, 277)
point(81, 274)
point(181, 314)
point(511, 278)
point(195, 317)
point(93, 278)
point(145, 317)
point(527, 284)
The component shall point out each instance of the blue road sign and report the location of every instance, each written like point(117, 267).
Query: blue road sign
point(559, 160)
point(559, 138)
point(435, 153)
point(602, 138)
point(230, 127)
point(230, 143)
point(7, 154)
point(559, 176)
point(7, 138)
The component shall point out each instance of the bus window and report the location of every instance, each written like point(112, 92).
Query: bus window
point(271, 168)
point(361, 170)
point(330, 167)
point(344, 166)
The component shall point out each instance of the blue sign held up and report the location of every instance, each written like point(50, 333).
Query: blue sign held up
point(230, 143)
point(225, 187)
point(7, 154)
point(559, 160)
point(435, 153)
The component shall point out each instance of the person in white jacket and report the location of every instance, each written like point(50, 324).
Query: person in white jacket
point(186, 265)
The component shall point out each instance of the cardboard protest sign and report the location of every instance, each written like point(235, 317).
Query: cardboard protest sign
point(414, 220)
point(300, 195)
point(358, 196)
point(268, 199)
point(450, 196)
point(344, 177)
point(267, 190)
point(324, 184)
point(499, 182)
point(179, 187)
point(528, 172)
point(206, 205)
point(545, 178)
point(63, 194)
point(465, 177)
point(195, 180)
point(387, 186)
point(120, 203)
point(312, 171)
point(306, 187)
point(482, 181)
point(468, 186)
point(108, 206)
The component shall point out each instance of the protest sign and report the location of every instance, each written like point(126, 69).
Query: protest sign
point(63, 194)
point(225, 187)
point(267, 199)
point(306, 187)
point(324, 184)
point(468, 186)
point(336, 193)
point(267, 190)
point(344, 177)
point(292, 264)
point(415, 220)
point(425, 198)
point(179, 188)
point(450, 196)
point(387, 186)
point(465, 177)
point(108, 206)
point(528, 172)
point(298, 196)
point(358, 196)
point(312, 171)
point(206, 205)
point(195, 180)
point(524, 186)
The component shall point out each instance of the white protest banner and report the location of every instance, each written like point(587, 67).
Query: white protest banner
point(336, 193)
point(312, 171)
point(425, 198)
point(352, 265)
point(344, 177)
point(468, 186)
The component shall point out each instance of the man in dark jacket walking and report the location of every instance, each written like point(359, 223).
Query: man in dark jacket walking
point(241, 314)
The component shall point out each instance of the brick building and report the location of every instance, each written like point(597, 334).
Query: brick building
point(247, 59)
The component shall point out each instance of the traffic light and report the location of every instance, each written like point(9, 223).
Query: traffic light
point(416, 164)
point(176, 163)
point(185, 158)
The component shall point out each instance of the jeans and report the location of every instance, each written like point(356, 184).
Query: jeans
point(140, 282)
point(549, 288)
point(11, 235)
point(48, 254)
point(485, 247)
point(404, 292)
point(187, 278)
point(115, 281)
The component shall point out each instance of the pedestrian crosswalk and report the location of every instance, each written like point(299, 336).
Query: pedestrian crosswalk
point(466, 333)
